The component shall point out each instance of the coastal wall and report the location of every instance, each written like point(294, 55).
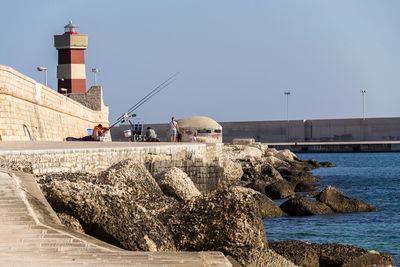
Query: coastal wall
point(199, 161)
point(31, 111)
point(333, 130)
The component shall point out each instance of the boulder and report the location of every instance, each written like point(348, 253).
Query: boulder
point(231, 174)
point(326, 164)
point(304, 187)
point(280, 189)
point(339, 202)
point(226, 220)
point(313, 255)
point(300, 253)
point(250, 152)
point(70, 222)
point(300, 177)
point(112, 214)
point(286, 155)
point(268, 258)
point(304, 207)
point(177, 184)
point(275, 162)
point(119, 206)
point(268, 208)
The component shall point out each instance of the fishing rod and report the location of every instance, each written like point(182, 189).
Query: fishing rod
point(152, 93)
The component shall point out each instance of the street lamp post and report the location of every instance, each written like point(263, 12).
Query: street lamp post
point(287, 93)
point(363, 92)
point(94, 70)
point(45, 73)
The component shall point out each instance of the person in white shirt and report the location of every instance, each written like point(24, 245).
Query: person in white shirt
point(173, 129)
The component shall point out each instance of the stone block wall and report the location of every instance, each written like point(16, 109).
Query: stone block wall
point(32, 111)
point(199, 161)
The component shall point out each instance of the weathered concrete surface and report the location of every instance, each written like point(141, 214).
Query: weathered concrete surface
point(31, 235)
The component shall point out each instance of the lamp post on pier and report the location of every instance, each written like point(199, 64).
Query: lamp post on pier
point(287, 93)
point(363, 92)
point(45, 73)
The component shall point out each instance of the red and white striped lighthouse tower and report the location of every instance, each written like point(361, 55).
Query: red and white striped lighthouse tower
point(71, 69)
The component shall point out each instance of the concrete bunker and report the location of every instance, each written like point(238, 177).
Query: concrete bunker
point(205, 128)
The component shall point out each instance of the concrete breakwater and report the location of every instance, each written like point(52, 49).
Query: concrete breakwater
point(200, 161)
point(122, 203)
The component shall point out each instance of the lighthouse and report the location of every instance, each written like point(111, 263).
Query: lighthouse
point(71, 69)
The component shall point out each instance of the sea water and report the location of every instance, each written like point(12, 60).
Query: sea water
point(371, 177)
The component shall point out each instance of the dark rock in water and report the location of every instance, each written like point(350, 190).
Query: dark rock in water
point(326, 164)
point(313, 163)
point(351, 256)
point(304, 187)
point(339, 202)
point(308, 194)
point(301, 177)
point(304, 207)
point(313, 255)
point(279, 190)
point(226, 220)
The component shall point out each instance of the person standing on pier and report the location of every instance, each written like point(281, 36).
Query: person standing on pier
point(173, 129)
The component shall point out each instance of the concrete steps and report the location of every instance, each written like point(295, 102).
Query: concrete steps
point(25, 241)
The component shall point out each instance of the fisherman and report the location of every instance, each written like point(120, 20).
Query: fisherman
point(173, 129)
point(150, 134)
point(98, 132)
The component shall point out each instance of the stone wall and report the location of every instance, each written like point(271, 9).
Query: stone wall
point(200, 161)
point(332, 130)
point(32, 111)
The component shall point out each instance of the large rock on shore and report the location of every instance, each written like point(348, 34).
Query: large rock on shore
point(119, 206)
point(339, 202)
point(280, 189)
point(226, 220)
point(111, 214)
point(176, 183)
point(268, 208)
point(314, 255)
point(304, 207)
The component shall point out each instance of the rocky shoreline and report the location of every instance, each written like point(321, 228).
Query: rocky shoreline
point(128, 207)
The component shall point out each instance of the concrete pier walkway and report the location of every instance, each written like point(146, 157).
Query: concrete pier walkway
point(31, 235)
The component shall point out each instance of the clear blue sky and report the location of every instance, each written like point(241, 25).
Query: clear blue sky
point(236, 58)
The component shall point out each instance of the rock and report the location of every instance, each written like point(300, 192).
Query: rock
point(226, 220)
point(286, 155)
point(326, 164)
point(301, 177)
point(304, 207)
point(313, 255)
point(300, 253)
point(111, 214)
point(304, 187)
point(351, 256)
point(268, 208)
point(232, 172)
point(339, 202)
point(258, 170)
point(275, 162)
point(269, 258)
point(250, 152)
point(175, 183)
point(119, 207)
point(70, 222)
point(280, 189)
